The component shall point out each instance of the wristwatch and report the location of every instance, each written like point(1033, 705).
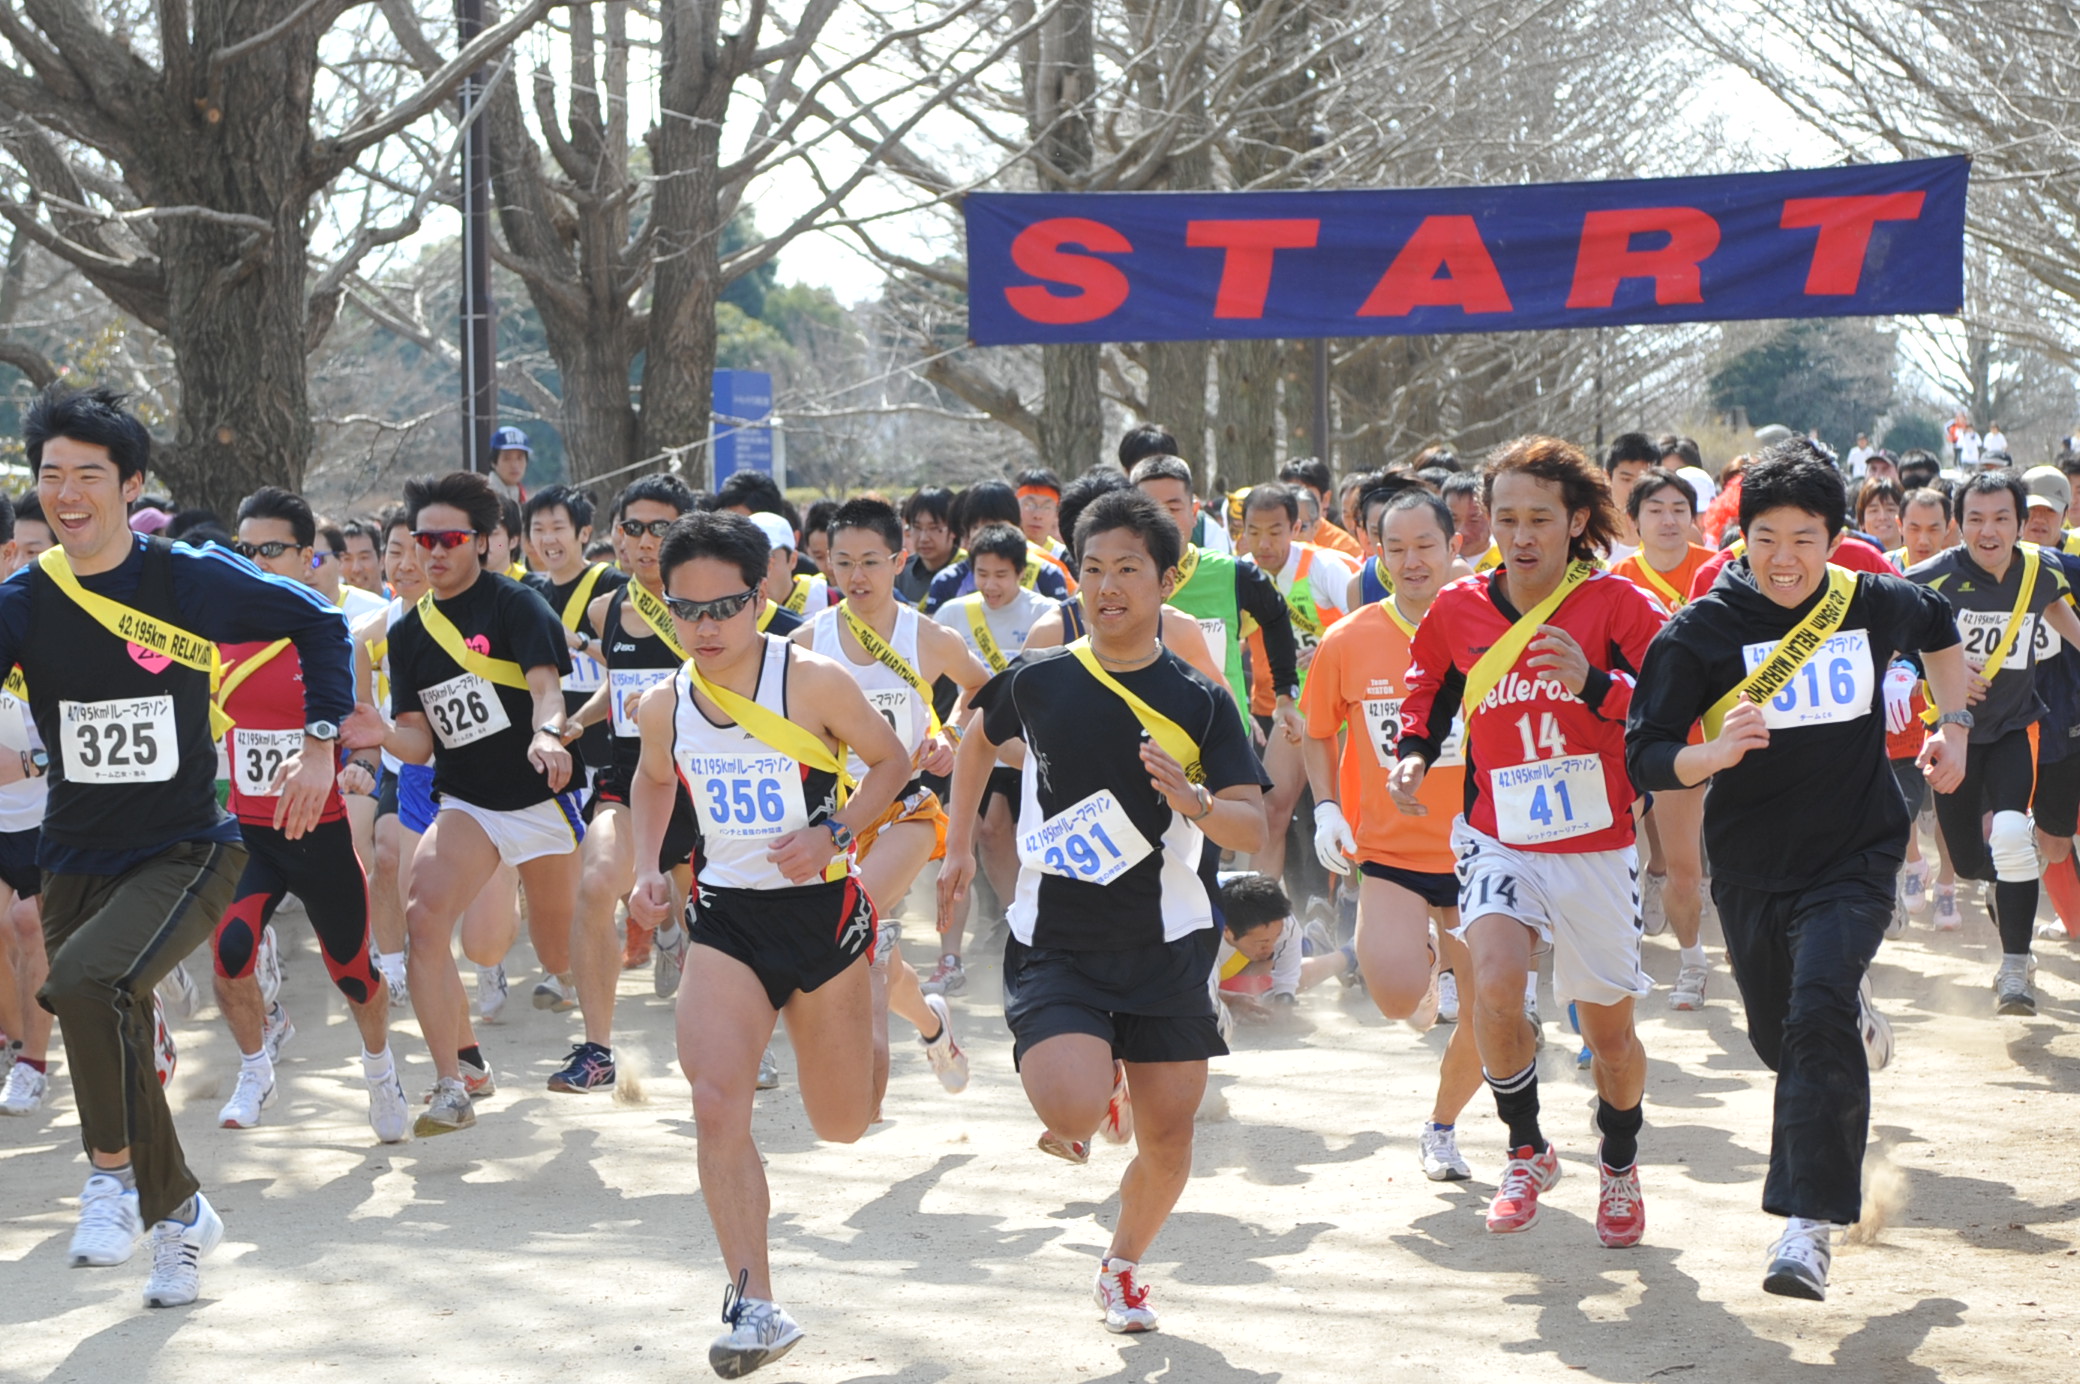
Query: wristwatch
point(841, 835)
point(1955, 718)
point(554, 728)
point(322, 730)
point(35, 763)
point(1205, 803)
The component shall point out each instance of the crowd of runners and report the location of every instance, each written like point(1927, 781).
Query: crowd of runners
point(1513, 716)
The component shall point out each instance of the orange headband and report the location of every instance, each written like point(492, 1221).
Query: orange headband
point(1050, 493)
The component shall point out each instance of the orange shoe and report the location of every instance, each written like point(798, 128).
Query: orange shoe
point(636, 950)
point(1516, 1200)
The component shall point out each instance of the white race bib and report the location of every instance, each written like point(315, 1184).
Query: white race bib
point(892, 704)
point(256, 756)
point(1216, 631)
point(746, 796)
point(14, 723)
point(1550, 800)
point(1094, 841)
point(464, 710)
point(586, 673)
point(629, 685)
point(1383, 725)
point(1981, 632)
point(1836, 684)
point(126, 741)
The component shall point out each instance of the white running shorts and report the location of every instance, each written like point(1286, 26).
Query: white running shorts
point(1583, 904)
point(547, 828)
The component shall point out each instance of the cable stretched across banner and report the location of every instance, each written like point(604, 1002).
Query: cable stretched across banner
point(1856, 241)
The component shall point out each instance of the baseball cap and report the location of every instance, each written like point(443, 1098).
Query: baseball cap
point(510, 440)
point(150, 520)
point(2047, 485)
point(781, 535)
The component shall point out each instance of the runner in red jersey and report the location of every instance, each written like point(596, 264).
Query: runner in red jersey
point(263, 693)
point(1542, 652)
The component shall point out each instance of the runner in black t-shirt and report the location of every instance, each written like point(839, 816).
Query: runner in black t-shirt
point(1803, 820)
point(476, 670)
point(557, 520)
point(1114, 928)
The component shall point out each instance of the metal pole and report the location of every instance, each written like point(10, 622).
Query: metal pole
point(1321, 402)
point(479, 313)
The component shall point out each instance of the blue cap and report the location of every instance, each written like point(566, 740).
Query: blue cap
point(510, 440)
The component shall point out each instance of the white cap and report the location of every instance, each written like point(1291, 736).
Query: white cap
point(777, 530)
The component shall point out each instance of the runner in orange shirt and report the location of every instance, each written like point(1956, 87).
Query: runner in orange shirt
point(1405, 863)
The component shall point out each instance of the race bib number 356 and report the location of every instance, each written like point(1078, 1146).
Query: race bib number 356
point(126, 741)
point(1550, 800)
point(1094, 841)
point(464, 710)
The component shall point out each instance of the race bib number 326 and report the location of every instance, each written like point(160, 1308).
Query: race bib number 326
point(464, 710)
point(125, 741)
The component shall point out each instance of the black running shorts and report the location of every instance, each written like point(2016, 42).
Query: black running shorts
point(1439, 890)
point(792, 939)
point(1152, 1004)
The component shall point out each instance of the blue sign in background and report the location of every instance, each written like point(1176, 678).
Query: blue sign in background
point(742, 396)
point(1863, 240)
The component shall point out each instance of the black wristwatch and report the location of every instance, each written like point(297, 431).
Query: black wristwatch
point(35, 763)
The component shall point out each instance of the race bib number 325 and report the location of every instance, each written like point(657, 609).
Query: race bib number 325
point(125, 741)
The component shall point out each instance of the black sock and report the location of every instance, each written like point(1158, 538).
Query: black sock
point(1516, 1101)
point(1620, 1134)
point(474, 1055)
point(2015, 900)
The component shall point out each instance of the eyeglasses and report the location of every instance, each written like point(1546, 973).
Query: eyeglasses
point(720, 609)
point(443, 539)
point(270, 551)
point(656, 528)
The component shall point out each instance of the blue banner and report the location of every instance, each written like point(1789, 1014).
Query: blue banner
point(1859, 241)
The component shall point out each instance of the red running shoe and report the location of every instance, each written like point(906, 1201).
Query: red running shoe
point(1516, 1200)
point(1621, 1216)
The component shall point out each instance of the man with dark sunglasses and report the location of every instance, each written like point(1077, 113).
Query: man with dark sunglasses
point(476, 671)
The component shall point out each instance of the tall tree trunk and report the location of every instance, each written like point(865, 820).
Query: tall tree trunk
point(1072, 416)
point(1177, 392)
point(1247, 436)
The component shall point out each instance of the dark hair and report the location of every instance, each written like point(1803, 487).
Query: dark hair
point(1794, 474)
point(1458, 484)
point(600, 550)
point(664, 489)
point(1250, 901)
point(1162, 467)
point(817, 518)
point(203, 534)
point(1272, 495)
point(1876, 489)
point(1085, 488)
point(1130, 509)
point(987, 502)
point(1311, 472)
point(2003, 481)
point(572, 501)
point(1632, 446)
point(464, 490)
point(1653, 482)
point(29, 505)
point(1918, 467)
point(335, 538)
point(1007, 541)
point(1436, 476)
point(755, 490)
point(1582, 486)
point(1927, 495)
point(95, 417)
point(719, 534)
point(1417, 498)
point(1440, 456)
point(273, 502)
point(196, 518)
point(1684, 449)
point(1040, 477)
point(935, 500)
point(875, 516)
point(390, 519)
point(1384, 486)
point(1146, 440)
point(509, 517)
point(370, 529)
point(6, 518)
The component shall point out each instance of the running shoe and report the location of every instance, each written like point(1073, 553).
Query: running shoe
point(1913, 889)
point(1688, 996)
point(24, 1092)
point(165, 1057)
point(253, 1093)
point(477, 1080)
point(177, 991)
point(1351, 976)
point(491, 992)
point(1799, 1260)
point(109, 1224)
point(1441, 1160)
point(1515, 1206)
point(1314, 934)
point(1538, 1028)
point(10, 1052)
point(760, 1332)
point(177, 1251)
point(267, 964)
point(1583, 1058)
point(1067, 1149)
point(635, 947)
point(1118, 1124)
point(1653, 911)
point(1896, 927)
point(388, 1115)
point(1874, 1027)
point(768, 1071)
point(949, 1063)
point(1448, 998)
point(555, 994)
point(1621, 1215)
point(393, 973)
point(2011, 985)
point(1423, 1017)
point(449, 1110)
point(1947, 919)
point(590, 1067)
point(888, 942)
point(668, 960)
point(1121, 1301)
point(947, 978)
point(275, 1032)
point(2054, 931)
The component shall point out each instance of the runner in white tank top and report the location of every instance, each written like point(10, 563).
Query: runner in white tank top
point(888, 692)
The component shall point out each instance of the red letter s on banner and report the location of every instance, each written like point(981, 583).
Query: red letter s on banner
point(1038, 251)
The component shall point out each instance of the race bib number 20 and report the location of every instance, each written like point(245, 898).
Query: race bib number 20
point(124, 741)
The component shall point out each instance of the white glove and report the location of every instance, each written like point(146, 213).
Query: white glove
point(1899, 697)
point(1333, 842)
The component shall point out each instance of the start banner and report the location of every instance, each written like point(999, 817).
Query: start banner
point(1856, 241)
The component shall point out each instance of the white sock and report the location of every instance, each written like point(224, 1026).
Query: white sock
point(1531, 988)
point(390, 963)
point(1693, 956)
point(257, 1062)
point(668, 936)
point(375, 1064)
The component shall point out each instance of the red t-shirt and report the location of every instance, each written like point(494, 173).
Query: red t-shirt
point(1854, 554)
point(268, 706)
point(1536, 752)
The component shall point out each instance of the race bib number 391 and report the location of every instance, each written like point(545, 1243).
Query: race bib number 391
point(464, 710)
point(126, 741)
point(1094, 841)
point(1550, 800)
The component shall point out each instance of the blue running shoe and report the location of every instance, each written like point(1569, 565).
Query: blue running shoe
point(590, 1068)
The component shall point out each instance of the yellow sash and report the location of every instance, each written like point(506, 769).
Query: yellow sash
point(657, 615)
point(1175, 740)
point(1401, 622)
point(1186, 565)
point(765, 617)
point(236, 678)
point(1489, 560)
point(777, 733)
point(574, 608)
point(1234, 966)
point(1660, 583)
point(145, 631)
point(2019, 616)
point(16, 683)
point(1489, 668)
point(888, 658)
point(984, 640)
point(798, 595)
point(517, 571)
point(1793, 651)
point(502, 671)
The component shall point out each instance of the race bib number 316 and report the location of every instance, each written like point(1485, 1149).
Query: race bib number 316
point(125, 741)
point(1836, 684)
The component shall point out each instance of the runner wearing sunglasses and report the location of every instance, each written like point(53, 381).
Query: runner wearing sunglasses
point(476, 670)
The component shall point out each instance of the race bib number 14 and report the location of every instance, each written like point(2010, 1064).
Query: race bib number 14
point(125, 741)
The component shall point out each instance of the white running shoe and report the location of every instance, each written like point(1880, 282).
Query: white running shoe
point(1799, 1260)
point(448, 1111)
point(1875, 1027)
point(392, 969)
point(253, 1093)
point(109, 1224)
point(276, 1032)
point(556, 996)
point(165, 1056)
point(1947, 917)
point(668, 947)
point(2012, 982)
point(24, 1092)
point(1652, 911)
point(267, 966)
point(1441, 1160)
point(1121, 1301)
point(1690, 986)
point(1423, 1017)
point(177, 991)
point(949, 1063)
point(1448, 998)
point(760, 1332)
point(1913, 889)
point(177, 1251)
point(1538, 1028)
point(2053, 931)
point(491, 992)
point(388, 1114)
point(768, 1070)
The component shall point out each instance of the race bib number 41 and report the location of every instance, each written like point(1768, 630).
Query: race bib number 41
point(464, 710)
point(258, 755)
point(1550, 800)
point(126, 741)
point(1094, 841)
point(1836, 684)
